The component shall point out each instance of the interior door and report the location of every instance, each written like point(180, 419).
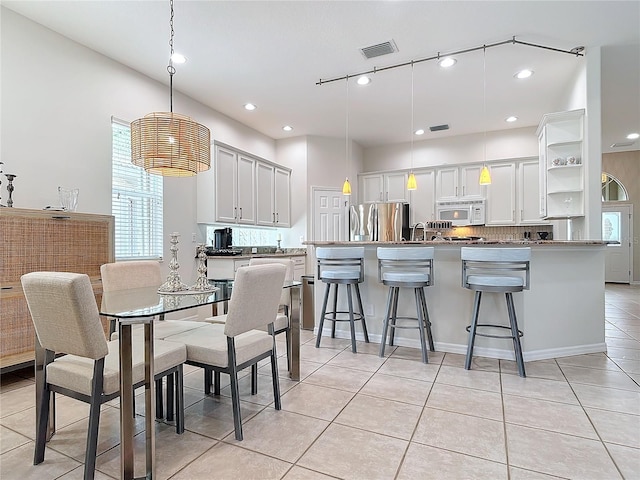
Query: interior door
point(616, 227)
point(328, 212)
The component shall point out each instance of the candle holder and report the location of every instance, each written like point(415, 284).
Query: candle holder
point(173, 283)
point(202, 283)
point(10, 178)
point(278, 249)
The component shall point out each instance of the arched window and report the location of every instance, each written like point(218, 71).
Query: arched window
point(612, 189)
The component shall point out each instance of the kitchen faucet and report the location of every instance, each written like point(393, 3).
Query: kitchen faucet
point(413, 230)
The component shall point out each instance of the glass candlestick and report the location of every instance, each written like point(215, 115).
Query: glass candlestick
point(173, 283)
point(279, 250)
point(10, 178)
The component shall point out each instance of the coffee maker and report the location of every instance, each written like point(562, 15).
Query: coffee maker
point(222, 238)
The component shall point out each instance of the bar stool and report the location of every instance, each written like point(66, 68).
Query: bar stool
point(341, 266)
point(408, 267)
point(495, 270)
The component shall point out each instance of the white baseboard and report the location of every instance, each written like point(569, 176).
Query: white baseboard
point(505, 354)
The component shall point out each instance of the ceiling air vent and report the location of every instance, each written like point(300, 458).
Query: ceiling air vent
point(621, 144)
point(437, 128)
point(383, 48)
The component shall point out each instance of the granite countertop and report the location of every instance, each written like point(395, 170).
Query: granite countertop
point(553, 243)
point(264, 252)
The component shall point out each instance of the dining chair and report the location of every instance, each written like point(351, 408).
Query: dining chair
point(138, 274)
point(241, 341)
point(282, 321)
point(66, 320)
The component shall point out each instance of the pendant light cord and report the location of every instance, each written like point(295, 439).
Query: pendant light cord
point(347, 127)
point(412, 117)
point(170, 68)
point(484, 103)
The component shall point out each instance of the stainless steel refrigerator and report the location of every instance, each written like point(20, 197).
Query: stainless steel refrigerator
point(384, 222)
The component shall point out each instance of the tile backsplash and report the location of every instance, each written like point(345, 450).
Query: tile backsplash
point(502, 233)
point(247, 237)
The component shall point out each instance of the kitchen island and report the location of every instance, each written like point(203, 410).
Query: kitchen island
point(562, 314)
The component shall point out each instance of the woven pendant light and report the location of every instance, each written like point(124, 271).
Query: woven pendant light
point(167, 143)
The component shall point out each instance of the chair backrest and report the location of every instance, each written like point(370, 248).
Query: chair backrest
point(340, 258)
point(285, 297)
point(130, 274)
point(405, 259)
point(498, 262)
point(65, 314)
point(255, 298)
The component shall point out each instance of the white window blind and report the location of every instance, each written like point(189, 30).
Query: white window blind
point(136, 202)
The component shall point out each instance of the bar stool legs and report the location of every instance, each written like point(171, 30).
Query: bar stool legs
point(391, 318)
point(513, 327)
point(333, 315)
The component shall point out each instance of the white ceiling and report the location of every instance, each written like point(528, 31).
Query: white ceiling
point(272, 53)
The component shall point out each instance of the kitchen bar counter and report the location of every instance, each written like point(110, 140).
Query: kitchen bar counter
point(561, 315)
point(433, 243)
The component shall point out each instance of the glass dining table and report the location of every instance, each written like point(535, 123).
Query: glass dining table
point(139, 307)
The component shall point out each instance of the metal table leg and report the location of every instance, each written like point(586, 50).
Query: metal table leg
point(126, 400)
point(294, 348)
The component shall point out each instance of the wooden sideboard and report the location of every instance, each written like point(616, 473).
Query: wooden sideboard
point(40, 240)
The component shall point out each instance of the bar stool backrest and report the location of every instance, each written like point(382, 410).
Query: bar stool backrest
point(406, 260)
point(495, 262)
point(340, 258)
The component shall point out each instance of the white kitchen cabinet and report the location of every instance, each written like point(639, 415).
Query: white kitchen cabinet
point(234, 187)
point(383, 187)
point(222, 268)
point(422, 200)
point(528, 211)
point(501, 194)
point(273, 195)
point(265, 186)
point(299, 266)
point(282, 197)
point(562, 160)
point(456, 183)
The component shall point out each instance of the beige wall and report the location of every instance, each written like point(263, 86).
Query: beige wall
point(625, 166)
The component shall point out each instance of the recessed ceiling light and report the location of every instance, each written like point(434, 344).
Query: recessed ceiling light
point(526, 73)
point(633, 136)
point(178, 58)
point(447, 62)
point(419, 132)
point(287, 128)
point(511, 119)
point(364, 80)
point(250, 106)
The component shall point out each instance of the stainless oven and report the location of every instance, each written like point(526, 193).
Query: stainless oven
point(462, 213)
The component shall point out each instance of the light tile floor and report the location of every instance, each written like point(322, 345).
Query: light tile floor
point(362, 417)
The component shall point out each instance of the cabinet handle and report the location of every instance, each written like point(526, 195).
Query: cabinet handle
point(521, 214)
point(240, 213)
point(387, 196)
point(277, 218)
point(456, 191)
point(463, 190)
point(274, 217)
point(235, 212)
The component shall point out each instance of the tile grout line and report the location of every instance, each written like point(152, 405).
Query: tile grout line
point(592, 425)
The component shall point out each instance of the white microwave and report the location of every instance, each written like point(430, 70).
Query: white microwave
point(462, 213)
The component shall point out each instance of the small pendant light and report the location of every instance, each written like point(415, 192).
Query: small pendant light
point(169, 144)
point(346, 186)
point(411, 180)
point(485, 174)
